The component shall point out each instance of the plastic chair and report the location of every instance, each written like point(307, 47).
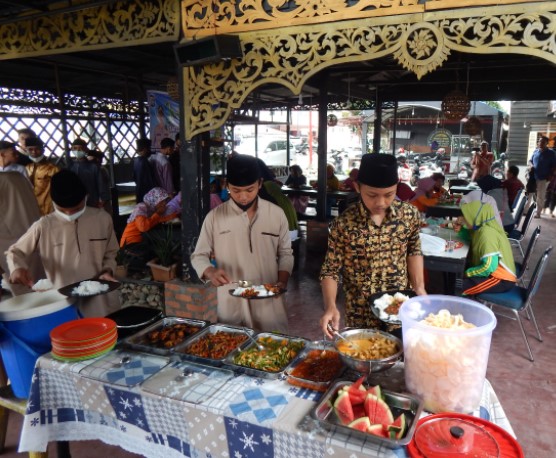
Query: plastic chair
point(517, 235)
point(522, 266)
point(520, 299)
point(516, 199)
point(519, 207)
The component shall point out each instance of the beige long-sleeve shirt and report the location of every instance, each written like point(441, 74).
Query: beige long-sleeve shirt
point(71, 252)
point(247, 250)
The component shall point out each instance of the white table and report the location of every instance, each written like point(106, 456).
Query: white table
point(251, 417)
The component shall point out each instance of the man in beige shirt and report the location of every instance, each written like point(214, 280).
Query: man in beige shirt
point(75, 243)
point(249, 240)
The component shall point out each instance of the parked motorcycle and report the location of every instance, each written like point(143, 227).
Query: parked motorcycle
point(465, 170)
point(424, 168)
point(498, 167)
point(404, 170)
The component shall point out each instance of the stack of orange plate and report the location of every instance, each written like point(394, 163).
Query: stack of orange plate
point(83, 339)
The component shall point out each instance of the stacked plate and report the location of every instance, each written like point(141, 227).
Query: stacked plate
point(83, 339)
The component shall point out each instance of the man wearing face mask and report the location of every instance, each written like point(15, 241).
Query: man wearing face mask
point(88, 172)
point(75, 243)
point(249, 240)
point(40, 172)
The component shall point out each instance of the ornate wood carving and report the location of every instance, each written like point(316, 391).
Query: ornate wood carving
point(420, 43)
point(112, 25)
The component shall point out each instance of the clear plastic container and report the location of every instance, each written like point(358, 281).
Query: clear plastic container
point(446, 367)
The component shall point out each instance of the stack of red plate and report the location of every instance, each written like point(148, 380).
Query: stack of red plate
point(83, 339)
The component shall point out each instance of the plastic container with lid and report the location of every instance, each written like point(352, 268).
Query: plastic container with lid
point(446, 366)
point(26, 323)
point(458, 435)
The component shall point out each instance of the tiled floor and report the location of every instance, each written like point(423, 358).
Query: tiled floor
point(524, 388)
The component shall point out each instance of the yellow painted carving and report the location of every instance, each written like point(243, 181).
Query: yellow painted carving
point(115, 24)
point(419, 42)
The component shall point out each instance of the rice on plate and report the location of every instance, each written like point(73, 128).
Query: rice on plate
point(89, 288)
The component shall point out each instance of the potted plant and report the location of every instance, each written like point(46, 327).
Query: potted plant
point(122, 263)
point(165, 248)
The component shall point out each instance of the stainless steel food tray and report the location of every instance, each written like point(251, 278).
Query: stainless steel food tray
point(181, 350)
point(229, 360)
point(140, 341)
point(399, 403)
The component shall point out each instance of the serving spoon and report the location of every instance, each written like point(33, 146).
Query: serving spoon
point(337, 334)
point(243, 283)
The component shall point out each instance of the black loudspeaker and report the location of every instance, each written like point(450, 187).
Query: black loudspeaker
point(206, 50)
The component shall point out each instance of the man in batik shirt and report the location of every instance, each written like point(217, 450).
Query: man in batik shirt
point(373, 246)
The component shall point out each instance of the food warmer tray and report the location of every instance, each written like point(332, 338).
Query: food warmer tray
point(181, 350)
point(139, 341)
point(229, 360)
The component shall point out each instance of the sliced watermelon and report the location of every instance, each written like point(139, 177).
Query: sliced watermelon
point(392, 431)
point(401, 424)
point(358, 411)
point(357, 395)
point(376, 391)
point(378, 411)
point(361, 424)
point(342, 407)
point(359, 383)
point(378, 430)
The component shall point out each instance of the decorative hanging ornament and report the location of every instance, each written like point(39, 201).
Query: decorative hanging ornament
point(473, 126)
point(455, 105)
point(331, 120)
point(173, 88)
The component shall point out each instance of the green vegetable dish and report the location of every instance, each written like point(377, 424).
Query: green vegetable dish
point(277, 354)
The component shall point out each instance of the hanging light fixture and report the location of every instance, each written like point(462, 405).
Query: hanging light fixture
point(456, 104)
point(331, 120)
point(473, 126)
point(300, 99)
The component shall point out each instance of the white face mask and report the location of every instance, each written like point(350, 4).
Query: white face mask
point(69, 218)
point(37, 159)
point(78, 153)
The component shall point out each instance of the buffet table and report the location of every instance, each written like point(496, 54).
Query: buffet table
point(248, 417)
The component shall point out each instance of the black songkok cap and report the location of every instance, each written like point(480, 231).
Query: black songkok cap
point(67, 189)
point(34, 141)
point(378, 170)
point(79, 142)
point(243, 170)
point(167, 143)
point(6, 145)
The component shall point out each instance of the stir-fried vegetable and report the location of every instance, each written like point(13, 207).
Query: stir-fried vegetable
point(276, 355)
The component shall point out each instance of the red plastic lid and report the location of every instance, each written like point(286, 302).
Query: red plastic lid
point(450, 435)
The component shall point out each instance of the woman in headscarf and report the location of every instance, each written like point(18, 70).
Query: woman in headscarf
point(422, 198)
point(491, 260)
point(147, 215)
point(493, 187)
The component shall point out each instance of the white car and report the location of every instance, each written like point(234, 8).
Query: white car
point(273, 152)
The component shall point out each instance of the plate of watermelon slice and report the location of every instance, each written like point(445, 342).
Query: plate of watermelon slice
point(369, 412)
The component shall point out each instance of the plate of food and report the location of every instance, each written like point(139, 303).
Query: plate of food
point(386, 305)
point(88, 288)
point(265, 291)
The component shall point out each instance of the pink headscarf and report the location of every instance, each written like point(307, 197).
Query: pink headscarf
point(424, 185)
point(148, 206)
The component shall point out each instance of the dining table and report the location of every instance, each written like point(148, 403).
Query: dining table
point(344, 198)
point(451, 263)
point(463, 189)
point(444, 210)
point(171, 416)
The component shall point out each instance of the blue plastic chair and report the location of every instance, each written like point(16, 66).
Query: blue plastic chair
point(519, 299)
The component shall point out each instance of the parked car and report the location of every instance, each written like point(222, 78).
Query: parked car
point(272, 152)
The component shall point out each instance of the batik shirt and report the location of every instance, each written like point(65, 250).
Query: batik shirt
point(368, 258)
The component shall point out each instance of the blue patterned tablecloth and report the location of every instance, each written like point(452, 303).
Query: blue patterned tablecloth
point(246, 417)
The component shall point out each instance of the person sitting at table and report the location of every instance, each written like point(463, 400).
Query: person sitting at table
point(215, 192)
point(491, 260)
point(493, 187)
point(349, 182)
point(146, 215)
point(404, 192)
point(512, 184)
point(438, 189)
point(423, 194)
point(296, 179)
point(332, 182)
